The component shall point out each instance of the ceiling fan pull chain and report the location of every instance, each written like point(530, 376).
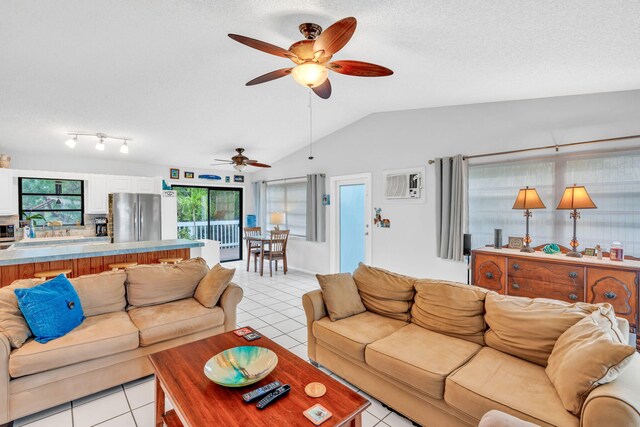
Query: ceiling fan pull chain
point(310, 126)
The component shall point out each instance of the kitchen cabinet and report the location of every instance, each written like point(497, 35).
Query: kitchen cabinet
point(119, 184)
point(96, 197)
point(144, 185)
point(539, 275)
point(8, 193)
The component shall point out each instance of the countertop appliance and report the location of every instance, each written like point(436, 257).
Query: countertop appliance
point(134, 217)
point(7, 235)
point(101, 226)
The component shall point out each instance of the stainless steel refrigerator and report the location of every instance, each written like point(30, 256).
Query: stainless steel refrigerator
point(134, 217)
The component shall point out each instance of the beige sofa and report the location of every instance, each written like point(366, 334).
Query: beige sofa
point(428, 354)
point(111, 346)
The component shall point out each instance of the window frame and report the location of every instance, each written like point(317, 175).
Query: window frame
point(22, 211)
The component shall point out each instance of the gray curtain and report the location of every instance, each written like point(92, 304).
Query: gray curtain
point(316, 221)
point(259, 200)
point(451, 206)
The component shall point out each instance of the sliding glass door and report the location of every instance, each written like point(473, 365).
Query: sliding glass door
point(213, 213)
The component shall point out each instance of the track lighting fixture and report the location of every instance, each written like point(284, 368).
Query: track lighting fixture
point(100, 146)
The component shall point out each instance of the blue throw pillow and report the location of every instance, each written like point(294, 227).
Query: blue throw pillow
point(51, 309)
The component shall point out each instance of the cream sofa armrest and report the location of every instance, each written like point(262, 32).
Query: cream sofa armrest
point(229, 301)
point(623, 325)
point(617, 403)
point(5, 351)
point(314, 309)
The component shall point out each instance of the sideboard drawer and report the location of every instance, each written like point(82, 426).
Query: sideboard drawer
point(533, 288)
point(618, 288)
point(572, 275)
point(488, 272)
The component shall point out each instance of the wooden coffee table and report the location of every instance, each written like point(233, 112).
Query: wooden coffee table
point(197, 401)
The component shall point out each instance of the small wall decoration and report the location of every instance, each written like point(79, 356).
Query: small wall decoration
point(189, 175)
point(175, 173)
point(227, 179)
point(238, 178)
point(211, 177)
point(165, 186)
point(516, 242)
point(379, 221)
point(590, 251)
point(326, 200)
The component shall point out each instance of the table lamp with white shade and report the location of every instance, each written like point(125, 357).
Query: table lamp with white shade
point(277, 219)
point(574, 198)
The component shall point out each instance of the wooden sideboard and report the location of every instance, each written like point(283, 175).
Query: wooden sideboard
point(540, 275)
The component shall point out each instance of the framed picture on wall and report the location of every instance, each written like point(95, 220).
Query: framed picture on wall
point(238, 178)
point(174, 173)
point(188, 175)
point(516, 242)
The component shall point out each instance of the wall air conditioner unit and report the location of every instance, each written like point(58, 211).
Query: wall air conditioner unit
point(403, 185)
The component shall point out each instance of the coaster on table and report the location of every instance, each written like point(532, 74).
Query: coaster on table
point(242, 331)
point(317, 414)
point(315, 389)
point(252, 336)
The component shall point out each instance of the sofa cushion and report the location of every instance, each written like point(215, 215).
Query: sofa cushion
point(12, 323)
point(159, 283)
point(419, 358)
point(386, 293)
point(528, 328)
point(96, 337)
point(213, 285)
point(174, 319)
point(101, 293)
point(352, 334)
point(590, 353)
point(51, 309)
point(495, 380)
point(340, 295)
point(450, 308)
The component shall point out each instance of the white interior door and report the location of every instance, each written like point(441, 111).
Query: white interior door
point(350, 222)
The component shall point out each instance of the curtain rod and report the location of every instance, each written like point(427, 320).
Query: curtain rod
point(546, 147)
point(287, 179)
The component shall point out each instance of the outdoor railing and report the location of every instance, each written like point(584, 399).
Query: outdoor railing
point(226, 232)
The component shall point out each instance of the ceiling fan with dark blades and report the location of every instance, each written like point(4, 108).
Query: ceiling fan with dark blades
point(240, 161)
point(312, 57)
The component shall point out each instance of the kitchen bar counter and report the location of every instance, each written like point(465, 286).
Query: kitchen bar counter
point(88, 258)
point(58, 241)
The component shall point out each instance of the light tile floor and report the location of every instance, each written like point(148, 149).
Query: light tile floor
point(272, 305)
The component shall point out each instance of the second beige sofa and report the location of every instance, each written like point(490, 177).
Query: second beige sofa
point(435, 367)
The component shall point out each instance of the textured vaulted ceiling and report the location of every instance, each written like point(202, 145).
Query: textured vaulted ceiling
point(164, 72)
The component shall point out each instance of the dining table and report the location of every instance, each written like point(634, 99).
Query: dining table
point(264, 240)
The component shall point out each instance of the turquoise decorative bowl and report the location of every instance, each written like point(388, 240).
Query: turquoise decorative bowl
point(240, 366)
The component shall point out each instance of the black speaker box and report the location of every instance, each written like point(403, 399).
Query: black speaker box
point(466, 249)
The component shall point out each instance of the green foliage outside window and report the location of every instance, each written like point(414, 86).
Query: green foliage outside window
point(48, 200)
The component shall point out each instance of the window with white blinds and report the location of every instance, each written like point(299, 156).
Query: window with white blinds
point(290, 197)
point(613, 181)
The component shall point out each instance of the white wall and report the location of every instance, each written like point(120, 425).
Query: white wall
point(403, 139)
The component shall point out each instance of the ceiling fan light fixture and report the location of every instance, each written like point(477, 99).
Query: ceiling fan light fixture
point(310, 74)
point(124, 149)
point(100, 145)
point(240, 167)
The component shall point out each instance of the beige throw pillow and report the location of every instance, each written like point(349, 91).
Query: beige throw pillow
point(529, 328)
point(450, 308)
point(212, 286)
point(12, 323)
point(386, 293)
point(340, 295)
point(101, 293)
point(154, 284)
point(590, 353)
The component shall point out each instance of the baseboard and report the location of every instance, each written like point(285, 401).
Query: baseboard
point(302, 270)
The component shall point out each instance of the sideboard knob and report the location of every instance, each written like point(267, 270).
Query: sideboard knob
point(516, 266)
point(573, 297)
point(610, 295)
point(573, 274)
point(515, 286)
point(489, 275)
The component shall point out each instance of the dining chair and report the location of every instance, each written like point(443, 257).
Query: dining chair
point(253, 248)
point(277, 250)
